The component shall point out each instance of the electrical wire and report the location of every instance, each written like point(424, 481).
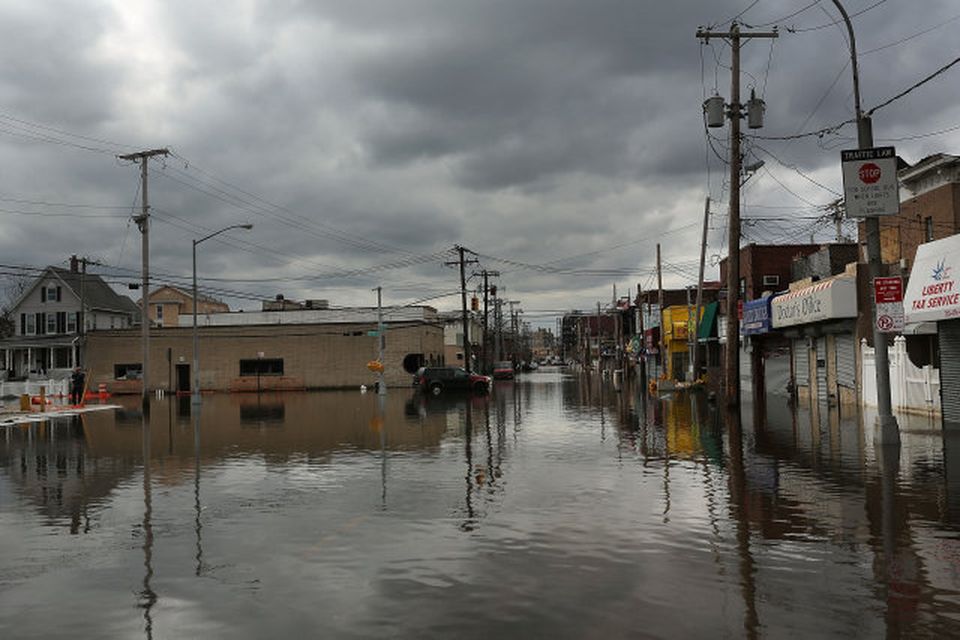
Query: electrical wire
point(910, 37)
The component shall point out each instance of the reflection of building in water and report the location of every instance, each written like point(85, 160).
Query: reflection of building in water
point(277, 425)
point(52, 467)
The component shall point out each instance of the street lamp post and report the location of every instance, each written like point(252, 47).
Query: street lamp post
point(196, 348)
point(888, 430)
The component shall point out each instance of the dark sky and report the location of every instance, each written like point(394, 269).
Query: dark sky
point(559, 140)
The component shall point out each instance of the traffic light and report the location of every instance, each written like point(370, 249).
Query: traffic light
point(493, 289)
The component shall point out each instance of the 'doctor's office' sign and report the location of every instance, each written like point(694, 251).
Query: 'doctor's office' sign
point(828, 300)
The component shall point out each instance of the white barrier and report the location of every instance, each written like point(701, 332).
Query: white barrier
point(54, 388)
point(912, 389)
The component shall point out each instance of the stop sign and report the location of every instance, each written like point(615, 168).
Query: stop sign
point(869, 173)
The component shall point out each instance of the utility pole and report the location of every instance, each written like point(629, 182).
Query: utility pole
point(463, 262)
point(513, 332)
point(485, 364)
point(888, 432)
point(662, 341)
point(733, 260)
point(143, 223)
point(697, 363)
point(381, 378)
point(642, 351)
point(82, 316)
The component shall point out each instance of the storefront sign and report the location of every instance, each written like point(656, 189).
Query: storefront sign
point(828, 300)
point(756, 317)
point(888, 294)
point(933, 292)
point(870, 186)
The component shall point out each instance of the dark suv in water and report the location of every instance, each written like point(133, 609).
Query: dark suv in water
point(436, 380)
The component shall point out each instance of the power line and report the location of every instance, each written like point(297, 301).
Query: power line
point(910, 37)
point(914, 86)
point(835, 22)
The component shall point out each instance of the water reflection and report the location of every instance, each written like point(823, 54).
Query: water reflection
point(556, 506)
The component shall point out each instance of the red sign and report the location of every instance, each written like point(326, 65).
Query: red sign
point(739, 309)
point(869, 173)
point(888, 289)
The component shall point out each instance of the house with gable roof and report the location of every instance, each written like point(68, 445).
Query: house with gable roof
point(53, 315)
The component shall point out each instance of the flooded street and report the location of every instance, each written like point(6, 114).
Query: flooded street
point(555, 507)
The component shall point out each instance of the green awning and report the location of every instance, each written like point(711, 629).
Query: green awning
point(707, 321)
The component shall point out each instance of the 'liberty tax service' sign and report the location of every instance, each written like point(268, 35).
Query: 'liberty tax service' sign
point(933, 292)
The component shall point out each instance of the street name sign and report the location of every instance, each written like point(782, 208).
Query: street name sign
point(870, 186)
point(888, 294)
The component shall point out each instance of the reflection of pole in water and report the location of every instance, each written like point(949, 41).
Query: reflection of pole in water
point(147, 596)
point(738, 496)
point(197, 525)
point(381, 407)
point(468, 454)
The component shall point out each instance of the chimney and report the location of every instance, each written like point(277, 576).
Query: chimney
point(74, 264)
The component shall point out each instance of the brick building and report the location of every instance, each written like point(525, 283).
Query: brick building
point(766, 267)
point(929, 210)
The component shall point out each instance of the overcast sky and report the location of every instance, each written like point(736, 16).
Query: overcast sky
point(560, 140)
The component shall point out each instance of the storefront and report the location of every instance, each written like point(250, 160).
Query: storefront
point(820, 322)
point(933, 295)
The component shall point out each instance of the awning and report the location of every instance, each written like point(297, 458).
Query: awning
point(828, 300)
point(707, 321)
point(933, 292)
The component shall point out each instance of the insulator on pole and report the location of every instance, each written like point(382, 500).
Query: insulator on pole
point(713, 108)
point(755, 109)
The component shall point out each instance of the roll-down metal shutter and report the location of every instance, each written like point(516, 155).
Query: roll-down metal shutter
point(822, 393)
point(846, 360)
point(949, 338)
point(801, 362)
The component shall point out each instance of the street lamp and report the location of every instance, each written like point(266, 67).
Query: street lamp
point(196, 349)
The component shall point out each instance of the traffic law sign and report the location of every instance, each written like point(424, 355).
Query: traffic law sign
point(888, 295)
point(870, 186)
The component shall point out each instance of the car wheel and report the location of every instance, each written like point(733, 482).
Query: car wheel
point(436, 388)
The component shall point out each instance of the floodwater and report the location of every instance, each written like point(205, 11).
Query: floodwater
point(557, 507)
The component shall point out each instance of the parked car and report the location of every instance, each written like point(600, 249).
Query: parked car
point(503, 370)
point(436, 380)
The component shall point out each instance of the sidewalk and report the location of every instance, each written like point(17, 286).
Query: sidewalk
point(10, 413)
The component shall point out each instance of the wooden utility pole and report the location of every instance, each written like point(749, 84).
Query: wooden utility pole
point(485, 364)
point(143, 223)
point(697, 360)
point(463, 262)
point(642, 351)
point(662, 340)
point(735, 113)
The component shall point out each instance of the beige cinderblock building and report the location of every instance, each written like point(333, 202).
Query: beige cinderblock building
point(283, 350)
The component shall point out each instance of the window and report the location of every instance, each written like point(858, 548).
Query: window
point(262, 367)
point(72, 322)
point(41, 324)
point(160, 313)
point(128, 371)
point(928, 229)
point(50, 293)
point(31, 324)
point(771, 281)
point(743, 287)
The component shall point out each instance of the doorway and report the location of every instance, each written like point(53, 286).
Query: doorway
point(183, 378)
